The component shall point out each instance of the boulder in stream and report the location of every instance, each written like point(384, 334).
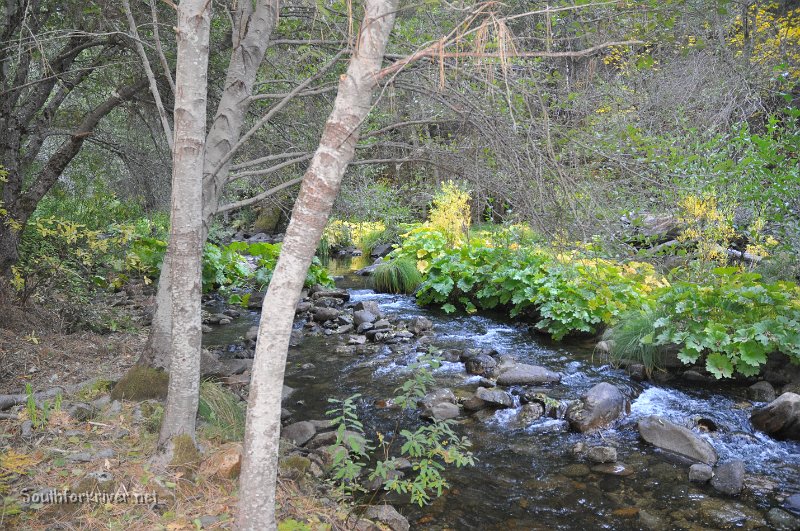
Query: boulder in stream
point(524, 374)
point(441, 411)
point(420, 325)
point(676, 439)
point(729, 477)
point(602, 454)
point(482, 364)
point(494, 397)
point(602, 405)
point(364, 316)
point(387, 515)
point(761, 392)
point(299, 433)
point(322, 314)
point(700, 473)
point(780, 418)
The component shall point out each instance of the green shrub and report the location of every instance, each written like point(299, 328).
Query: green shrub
point(397, 275)
point(567, 292)
point(733, 321)
point(430, 448)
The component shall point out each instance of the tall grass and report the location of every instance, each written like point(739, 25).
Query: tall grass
point(632, 339)
point(222, 411)
point(399, 275)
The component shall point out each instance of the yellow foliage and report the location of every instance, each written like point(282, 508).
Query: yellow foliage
point(773, 39)
point(450, 214)
point(13, 463)
point(707, 224)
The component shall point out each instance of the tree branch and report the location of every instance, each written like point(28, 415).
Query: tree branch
point(159, 49)
point(272, 112)
point(266, 171)
point(151, 78)
point(255, 199)
point(262, 160)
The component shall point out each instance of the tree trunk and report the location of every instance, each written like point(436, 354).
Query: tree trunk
point(194, 29)
point(320, 186)
point(250, 39)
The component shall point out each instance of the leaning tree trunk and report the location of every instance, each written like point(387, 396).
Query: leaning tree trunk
point(253, 27)
point(312, 208)
point(186, 223)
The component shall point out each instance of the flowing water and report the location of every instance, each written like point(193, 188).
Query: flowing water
point(527, 476)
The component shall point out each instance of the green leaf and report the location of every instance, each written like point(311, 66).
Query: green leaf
point(719, 365)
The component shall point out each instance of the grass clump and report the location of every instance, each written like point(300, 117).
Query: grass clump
point(141, 383)
point(399, 275)
point(222, 411)
point(632, 339)
point(95, 390)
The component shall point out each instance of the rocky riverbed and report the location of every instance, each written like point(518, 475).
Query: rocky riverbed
point(562, 439)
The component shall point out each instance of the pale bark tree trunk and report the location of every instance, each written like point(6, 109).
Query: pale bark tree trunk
point(253, 27)
point(311, 211)
point(186, 223)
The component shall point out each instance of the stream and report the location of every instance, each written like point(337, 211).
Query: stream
point(527, 476)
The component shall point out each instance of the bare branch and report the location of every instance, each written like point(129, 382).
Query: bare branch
point(272, 112)
point(305, 93)
point(266, 171)
point(262, 160)
point(260, 197)
point(406, 124)
point(151, 78)
point(159, 49)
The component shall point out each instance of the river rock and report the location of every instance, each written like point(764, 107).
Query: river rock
point(524, 374)
point(303, 307)
point(437, 397)
point(357, 340)
point(780, 418)
point(729, 477)
point(322, 314)
point(700, 473)
point(676, 439)
point(363, 316)
point(602, 454)
point(442, 411)
point(792, 503)
point(420, 325)
point(388, 515)
point(761, 392)
point(780, 520)
point(335, 293)
point(494, 397)
point(252, 333)
point(601, 406)
point(473, 403)
point(577, 470)
point(381, 324)
point(299, 433)
point(379, 251)
point(482, 364)
point(530, 412)
point(368, 306)
point(328, 438)
point(724, 514)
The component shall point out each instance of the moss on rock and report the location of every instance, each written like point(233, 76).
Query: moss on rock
point(141, 383)
point(186, 457)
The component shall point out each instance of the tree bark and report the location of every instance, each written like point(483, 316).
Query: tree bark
point(186, 227)
point(320, 186)
point(253, 27)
